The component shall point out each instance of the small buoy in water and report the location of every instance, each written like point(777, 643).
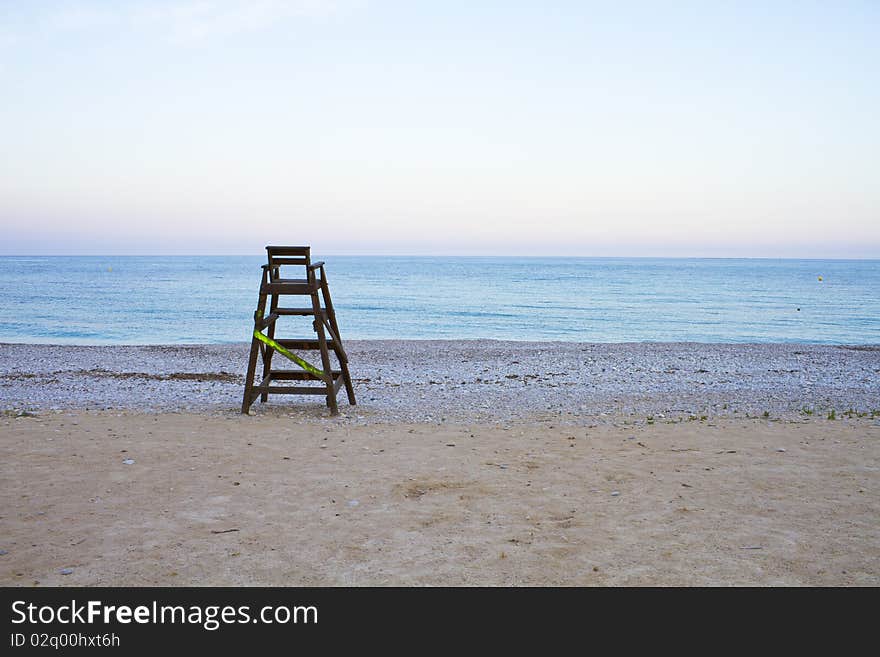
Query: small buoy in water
point(799, 309)
point(820, 279)
point(109, 268)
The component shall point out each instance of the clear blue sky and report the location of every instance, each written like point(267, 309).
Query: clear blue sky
point(572, 128)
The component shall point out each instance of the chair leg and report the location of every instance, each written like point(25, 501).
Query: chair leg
point(267, 354)
point(343, 358)
point(255, 351)
point(325, 355)
point(349, 388)
point(249, 378)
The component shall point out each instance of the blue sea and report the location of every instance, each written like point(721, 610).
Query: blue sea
point(201, 299)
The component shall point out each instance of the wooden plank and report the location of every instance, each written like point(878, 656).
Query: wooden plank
point(288, 250)
point(297, 375)
point(263, 323)
point(334, 339)
point(249, 378)
point(269, 351)
point(297, 311)
point(290, 261)
point(297, 390)
point(301, 344)
point(340, 351)
point(325, 352)
point(302, 288)
point(256, 351)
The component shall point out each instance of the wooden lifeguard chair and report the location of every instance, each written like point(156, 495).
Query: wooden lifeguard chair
point(273, 287)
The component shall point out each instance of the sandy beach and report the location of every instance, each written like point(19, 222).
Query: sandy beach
point(614, 465)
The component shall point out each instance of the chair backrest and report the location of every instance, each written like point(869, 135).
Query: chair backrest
point(288, 255)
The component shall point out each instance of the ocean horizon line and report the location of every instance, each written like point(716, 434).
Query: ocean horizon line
point(442, 255)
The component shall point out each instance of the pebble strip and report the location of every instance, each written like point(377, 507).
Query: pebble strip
point(463, 381)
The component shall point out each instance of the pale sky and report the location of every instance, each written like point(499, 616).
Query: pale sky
point(443, 127)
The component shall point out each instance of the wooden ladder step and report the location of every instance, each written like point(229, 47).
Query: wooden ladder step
point(297, 311)
point(300, 288)
point(303, 344)
point(294, 390)
point(298, 375)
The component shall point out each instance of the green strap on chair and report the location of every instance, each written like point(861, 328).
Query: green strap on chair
point(288, 354)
